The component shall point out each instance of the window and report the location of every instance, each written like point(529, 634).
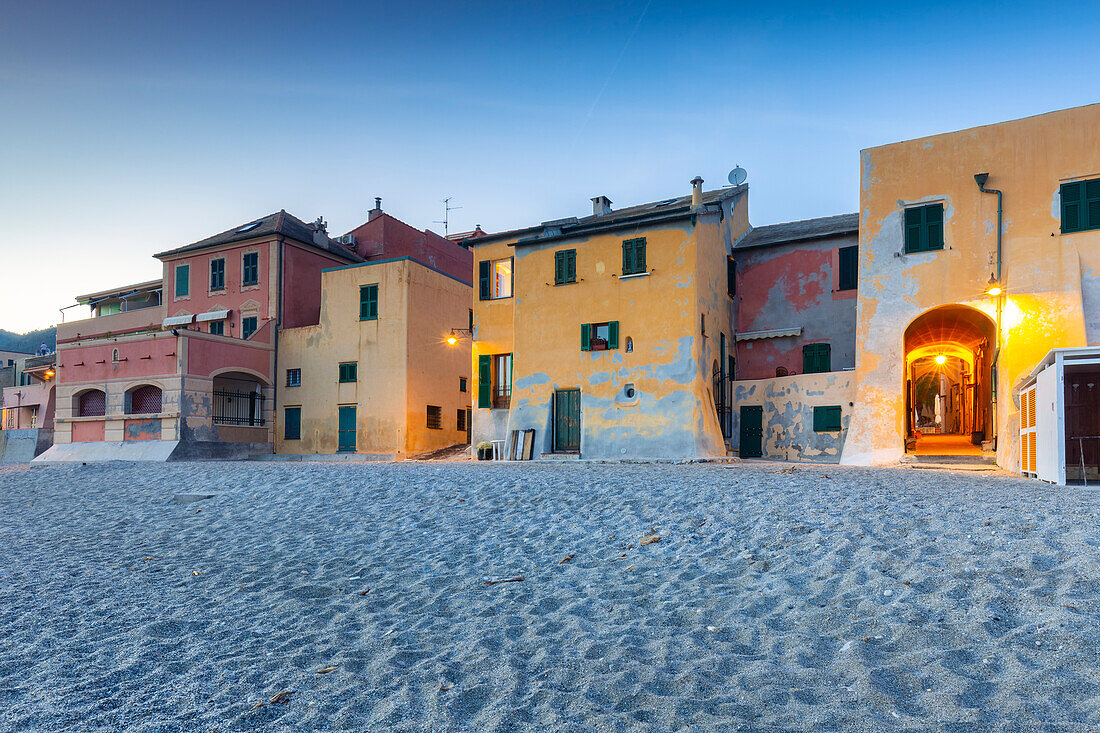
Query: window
point(92, 403)
point(1080, 205)
point(294, 377)
point(494, 380)
point(731, 276)
point(599, 336)
point(461, 423)
point(565, 266)
point(826, 419)
point(250, 268)
point(183, 281)
point(634, 256)
point(145, 400)
point(248, 326)
point(435, 417)
point(217, 274)
point(462, 384)
point(924, 228)
point(217, 328)
point(848, 277)
point(495, 279)
point(349, 371)
point(368, 302)
point(292, 423)
point(816, 358)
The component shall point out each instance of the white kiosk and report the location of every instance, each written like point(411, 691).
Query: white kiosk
point(1060, 418)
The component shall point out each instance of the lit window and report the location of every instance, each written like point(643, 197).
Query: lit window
point(495, 279)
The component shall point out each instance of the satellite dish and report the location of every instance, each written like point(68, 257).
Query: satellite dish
point(737, 176)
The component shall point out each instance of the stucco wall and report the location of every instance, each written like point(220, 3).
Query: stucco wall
point(788, 419)
point(1049, 277)
point(787, 286)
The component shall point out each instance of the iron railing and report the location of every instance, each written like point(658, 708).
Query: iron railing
point(238, 408)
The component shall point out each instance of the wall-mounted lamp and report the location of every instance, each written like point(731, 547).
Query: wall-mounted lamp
point(49, 374)
point(458, 333)
point(993, 288)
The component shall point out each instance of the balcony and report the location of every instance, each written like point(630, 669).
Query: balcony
point(136, 321)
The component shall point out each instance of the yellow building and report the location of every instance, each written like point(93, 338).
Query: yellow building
point(979, 253)
point(376, 376)
point(608, 335)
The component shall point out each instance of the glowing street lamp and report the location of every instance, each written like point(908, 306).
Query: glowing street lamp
point(456, 334)
point(941, 359)
point(993, 288)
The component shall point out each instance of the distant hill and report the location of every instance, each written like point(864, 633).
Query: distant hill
point(27, 342)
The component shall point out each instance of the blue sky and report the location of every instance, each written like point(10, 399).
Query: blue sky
point(129, 128)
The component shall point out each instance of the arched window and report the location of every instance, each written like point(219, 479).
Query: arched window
point(144, 400)
point(92, 403)
point(114, 356)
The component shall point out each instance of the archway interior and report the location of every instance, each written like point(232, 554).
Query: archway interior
point(948, 370)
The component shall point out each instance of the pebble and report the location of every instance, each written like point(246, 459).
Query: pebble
point(887, 592)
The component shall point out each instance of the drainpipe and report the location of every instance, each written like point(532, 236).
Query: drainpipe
point(980, 179)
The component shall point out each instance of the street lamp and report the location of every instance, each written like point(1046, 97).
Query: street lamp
point(993, 288)
point(458, 333)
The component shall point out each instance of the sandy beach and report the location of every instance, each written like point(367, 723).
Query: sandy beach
point(184, 597)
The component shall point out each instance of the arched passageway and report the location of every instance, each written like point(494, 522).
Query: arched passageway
point(949, 381)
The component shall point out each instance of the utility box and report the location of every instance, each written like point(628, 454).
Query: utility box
point(1060, 418)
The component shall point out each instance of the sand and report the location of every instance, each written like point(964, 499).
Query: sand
point(776, 599)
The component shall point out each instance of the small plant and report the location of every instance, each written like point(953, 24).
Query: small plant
point(484, 445)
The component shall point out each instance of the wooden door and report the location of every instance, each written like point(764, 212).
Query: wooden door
point(567, 421)
point(752, 431)
point(347, 429)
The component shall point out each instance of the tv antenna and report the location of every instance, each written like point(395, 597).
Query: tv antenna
point(737, 176)
point(447, 209)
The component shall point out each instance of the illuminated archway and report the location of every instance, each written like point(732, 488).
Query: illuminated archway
point(949, 382)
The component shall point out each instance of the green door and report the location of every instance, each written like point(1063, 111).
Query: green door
point(567, 421)
point(347, 429)
point(752, 431)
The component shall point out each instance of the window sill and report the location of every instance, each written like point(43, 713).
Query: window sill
point(634, 275)
point(498, 297)
point(571, 282)
point(363, 320)
point(921, 251)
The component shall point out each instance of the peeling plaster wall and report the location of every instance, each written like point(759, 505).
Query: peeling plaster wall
point(1047, 275)
point(788, 419)
point(786, 286)
point(672, 413)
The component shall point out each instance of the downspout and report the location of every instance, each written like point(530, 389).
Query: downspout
point(980, 179)
point(275, 369)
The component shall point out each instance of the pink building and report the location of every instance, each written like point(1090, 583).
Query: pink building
point(185, 368)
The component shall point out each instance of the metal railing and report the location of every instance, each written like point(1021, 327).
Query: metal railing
point(237, 408)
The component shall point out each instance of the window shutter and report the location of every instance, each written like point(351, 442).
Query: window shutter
point(613, 335)
point(731, 276)
point(848, 277)
point(1092, 205)
point(826, 419)
point(912, 230)
point(559, 268)
point(484, 381)
point(639, 255)
point(484, 280)
point(586, 337)
point(571, 265)
point(512, 276)
point(1071, 206)
point(933, 226)
point(628, 257)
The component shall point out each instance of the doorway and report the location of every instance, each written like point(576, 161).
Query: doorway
point(950, 390)
point(752, 431)
point(567, 421)
point(346, 431)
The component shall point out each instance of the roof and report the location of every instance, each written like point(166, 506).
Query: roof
point(279, 223)
point(652, 212)
point(122, 290)
point(798, 231)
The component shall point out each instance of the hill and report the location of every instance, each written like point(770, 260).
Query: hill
point(27, 342)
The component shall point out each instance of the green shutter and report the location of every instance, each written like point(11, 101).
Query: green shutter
point(933, 226)
point(559, 268)
point(368, 302)
point(1092, 205)
point(485, 284)
point(484, 381)
point(613, 335)
point(571, 266)
point(183, 280)
point(292, 423)
point(924, 228)
point(639, 255)
point(634, 256)
point(586, 337)
point(827, 419)
point(848, 276)
point(816, 358)
point(628, 256)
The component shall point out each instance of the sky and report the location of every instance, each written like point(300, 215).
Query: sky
point(128, 128)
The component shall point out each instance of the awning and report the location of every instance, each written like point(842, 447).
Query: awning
point(212, 316)
point(176, 321)
point(770, 334)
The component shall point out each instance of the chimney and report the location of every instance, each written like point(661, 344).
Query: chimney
point(320, 231)
point(696, 191)
point(601, 205)
point(377, 210)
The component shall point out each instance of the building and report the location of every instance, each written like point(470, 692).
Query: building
point(979, 255)
point(184, 367)
point(375, 376)
point(606, 335)
point(795, 293)
point(27, 406)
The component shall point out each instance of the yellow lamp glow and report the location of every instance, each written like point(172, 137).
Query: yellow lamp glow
point(941, 359)
point(994, 291)
point(452, 339)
